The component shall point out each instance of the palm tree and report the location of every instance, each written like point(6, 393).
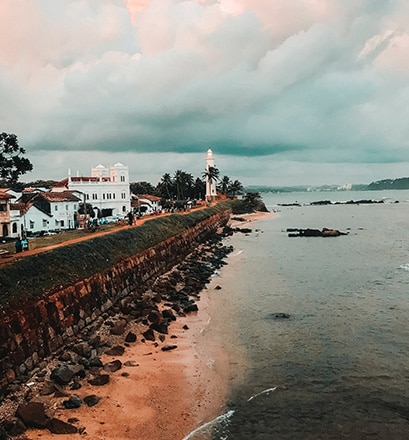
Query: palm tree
point(166, 183)
point(235, 187)
point(211, 175)
point(177, 180)
point(224, 184)
point(199, 189)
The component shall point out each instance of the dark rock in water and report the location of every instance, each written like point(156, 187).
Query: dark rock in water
point(310, 233)
point(113, 366)
point(73, 402)
point(117, 350)
point(243, 230)
point(217, 287)
point(169, 347)
point(325, 232)
point(57, 426)
point(91, 400)
point(185, 327)
point(280, 316)
point(99, 380)
point(62, 375)
point(33, 414)
point(130, 337)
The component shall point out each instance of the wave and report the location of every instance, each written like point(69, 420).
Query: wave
point(404, 266)
point(208, 427)
point(267, 391)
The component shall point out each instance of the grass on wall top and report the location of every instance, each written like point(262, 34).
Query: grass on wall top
point(34, 275)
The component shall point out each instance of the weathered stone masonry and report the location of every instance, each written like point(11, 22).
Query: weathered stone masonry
point(37, 329)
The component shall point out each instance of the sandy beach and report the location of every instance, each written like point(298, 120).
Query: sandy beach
point(159, 394)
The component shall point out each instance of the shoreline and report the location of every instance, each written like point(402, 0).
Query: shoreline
point(160, 394)
point(163, 394)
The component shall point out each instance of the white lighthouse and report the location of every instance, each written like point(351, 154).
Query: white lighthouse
point(210, 183)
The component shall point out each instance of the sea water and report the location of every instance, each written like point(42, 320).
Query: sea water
point(317, 329)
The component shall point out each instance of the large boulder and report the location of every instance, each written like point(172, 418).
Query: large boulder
point(33, 414)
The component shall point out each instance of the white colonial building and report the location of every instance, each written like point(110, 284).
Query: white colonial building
point(43, 211)
point(107, 190)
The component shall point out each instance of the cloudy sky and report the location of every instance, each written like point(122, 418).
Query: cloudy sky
point(284, 92)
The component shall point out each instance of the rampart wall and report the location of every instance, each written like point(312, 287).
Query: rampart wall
point(38, 327)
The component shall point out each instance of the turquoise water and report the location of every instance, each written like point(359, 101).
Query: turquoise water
point(323, 323)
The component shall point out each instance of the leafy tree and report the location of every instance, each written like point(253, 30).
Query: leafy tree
point(142, 188)
point(250, 203)
point(12, 162)
point(89, 209)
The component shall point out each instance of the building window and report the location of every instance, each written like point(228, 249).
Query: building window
point(55, 207)
point(45, 223)
point(14, 228)
point(87, 196)
point(66, 207)
point(122, 178)
point(31, 224)
point(3, 207)
point(62, 223)
point(113, 195)
point(123, 208)
point(95, 196)
point(103, 196)
point(123, 196)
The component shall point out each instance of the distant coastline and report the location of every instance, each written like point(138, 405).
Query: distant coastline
point(384, 184)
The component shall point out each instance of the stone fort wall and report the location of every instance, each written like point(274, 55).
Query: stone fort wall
point(36, 329)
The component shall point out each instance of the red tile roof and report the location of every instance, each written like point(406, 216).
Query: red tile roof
point(60, 196)
point(5, 196)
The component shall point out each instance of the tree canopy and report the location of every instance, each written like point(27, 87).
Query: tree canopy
point(12, 162)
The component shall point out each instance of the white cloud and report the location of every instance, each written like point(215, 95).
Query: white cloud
point(306, 80)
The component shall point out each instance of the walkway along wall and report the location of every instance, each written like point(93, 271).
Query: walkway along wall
point(39, 326)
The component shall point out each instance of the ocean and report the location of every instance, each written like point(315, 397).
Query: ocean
point(317, 329)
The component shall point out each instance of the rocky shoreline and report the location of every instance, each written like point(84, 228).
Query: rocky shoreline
point(73, 377)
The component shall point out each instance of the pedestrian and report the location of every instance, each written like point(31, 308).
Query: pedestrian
point(18, 245)
point(24, 244)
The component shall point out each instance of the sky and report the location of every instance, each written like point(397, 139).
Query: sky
point(284, 92)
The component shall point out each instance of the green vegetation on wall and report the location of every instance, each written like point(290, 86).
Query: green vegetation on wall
point(36, 274)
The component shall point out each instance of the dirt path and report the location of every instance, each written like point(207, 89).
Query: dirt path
point(11, 256)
